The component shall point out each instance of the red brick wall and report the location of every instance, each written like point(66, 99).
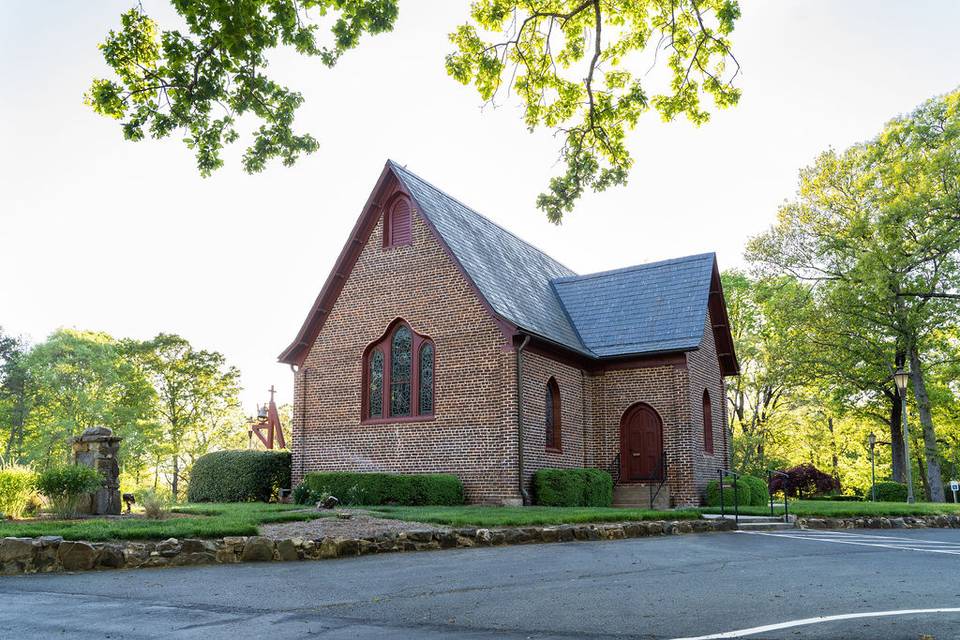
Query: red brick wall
point(537, 370)
point(474, 432)
point(705, 374)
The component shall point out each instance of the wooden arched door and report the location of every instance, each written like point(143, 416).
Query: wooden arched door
point(641, 445)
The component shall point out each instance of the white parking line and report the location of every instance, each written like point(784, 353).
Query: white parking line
point(818, 620)
point(898, 544)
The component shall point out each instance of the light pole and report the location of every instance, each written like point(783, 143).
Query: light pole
point(872, 441)
point(900, 377)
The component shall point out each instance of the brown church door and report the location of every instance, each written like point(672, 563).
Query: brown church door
point(641, 445)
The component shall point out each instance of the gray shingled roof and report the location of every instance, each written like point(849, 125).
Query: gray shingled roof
point(650, 308)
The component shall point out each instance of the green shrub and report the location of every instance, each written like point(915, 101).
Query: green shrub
point(239, 476)
point(302, 494)
point(713, 493)
point(17, 487)
point(66, 486)
point(573, 488)
point(759, 493)
point(386, 488)
point(891, 492)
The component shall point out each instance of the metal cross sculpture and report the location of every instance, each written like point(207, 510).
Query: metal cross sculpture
point(267, 427)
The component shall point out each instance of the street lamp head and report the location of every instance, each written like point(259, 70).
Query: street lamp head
point(872, 439)
point(900, 377)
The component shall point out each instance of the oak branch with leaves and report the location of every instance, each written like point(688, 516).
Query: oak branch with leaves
point(574, 64)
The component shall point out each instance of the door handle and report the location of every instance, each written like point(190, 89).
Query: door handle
point(635, 455)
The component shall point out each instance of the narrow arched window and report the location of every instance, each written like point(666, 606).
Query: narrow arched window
point(552, 414)
point(375, 385)
point(396, 226)
point(400, 369)
point(707, 423)
point(425, 379)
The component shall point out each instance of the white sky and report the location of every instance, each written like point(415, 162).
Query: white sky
point(98, 233)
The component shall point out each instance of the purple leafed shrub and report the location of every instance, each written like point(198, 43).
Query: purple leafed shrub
point(804, 480)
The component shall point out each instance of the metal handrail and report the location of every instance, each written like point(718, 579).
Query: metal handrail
point(616, 469)
point(664, 465)
point(736, 494)
point(786, 509)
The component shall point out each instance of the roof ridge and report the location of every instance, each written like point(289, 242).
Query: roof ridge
point(396, 165)
point(635, 267)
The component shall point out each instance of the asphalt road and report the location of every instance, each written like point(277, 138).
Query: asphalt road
point(680, 586)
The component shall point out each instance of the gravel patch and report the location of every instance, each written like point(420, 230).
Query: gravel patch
point(360, 525)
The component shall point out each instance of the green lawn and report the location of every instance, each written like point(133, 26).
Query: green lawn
point(478, 516)
point(238, 519)
point(833, 509)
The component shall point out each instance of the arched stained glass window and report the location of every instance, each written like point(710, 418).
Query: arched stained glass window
point(425, 381)
point(375, 391)
point(400, 368)
point(552, 414)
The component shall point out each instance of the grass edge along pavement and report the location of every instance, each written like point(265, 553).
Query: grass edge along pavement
point(838, 509)
point(199, 520)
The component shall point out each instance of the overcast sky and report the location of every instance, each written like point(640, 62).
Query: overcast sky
point(98, 233)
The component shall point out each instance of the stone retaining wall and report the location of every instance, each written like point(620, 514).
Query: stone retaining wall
point(881, 522)
point(52, 553)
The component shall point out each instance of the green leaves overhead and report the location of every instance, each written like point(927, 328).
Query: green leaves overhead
point(573, 64)
point(203, 80)
point(576, 65)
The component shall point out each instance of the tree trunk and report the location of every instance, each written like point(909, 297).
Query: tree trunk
point(923, 475)
point(896, 437)
point(833, 451)
point(175, 485)
point(931, 450)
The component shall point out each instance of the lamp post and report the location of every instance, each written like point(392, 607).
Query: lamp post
point(872, 441)
point(900, 377)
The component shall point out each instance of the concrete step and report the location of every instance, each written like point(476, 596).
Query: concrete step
point(637, 496)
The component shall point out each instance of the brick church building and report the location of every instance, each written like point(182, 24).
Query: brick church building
point(441, 342)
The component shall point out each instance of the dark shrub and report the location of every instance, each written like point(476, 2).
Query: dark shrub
point(239, 476)
point(759, 493)
point(573, 488)
point(804, 481)
point(743, 493)
point(386, 488)
point(891, 492)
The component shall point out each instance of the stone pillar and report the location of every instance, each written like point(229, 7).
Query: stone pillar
point(97, 447)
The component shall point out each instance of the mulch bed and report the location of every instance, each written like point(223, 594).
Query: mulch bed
point(360, 525)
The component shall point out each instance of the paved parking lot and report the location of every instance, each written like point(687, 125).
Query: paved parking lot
point(867, 584)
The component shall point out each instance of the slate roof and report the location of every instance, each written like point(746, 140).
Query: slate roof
point(650, 308)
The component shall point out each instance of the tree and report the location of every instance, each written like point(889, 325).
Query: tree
point(569, 61)
point(195, 390)
point(14, 401)
point(876, 231)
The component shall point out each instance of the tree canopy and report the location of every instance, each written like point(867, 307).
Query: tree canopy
point(574, 64)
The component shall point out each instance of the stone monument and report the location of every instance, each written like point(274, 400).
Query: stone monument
point(97, 447)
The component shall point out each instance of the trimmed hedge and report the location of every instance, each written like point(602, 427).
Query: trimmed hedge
point(891, 492)
point(573, 488)
point(386, 488)
point(239, 476)
point(743, 493)
point(759, 492)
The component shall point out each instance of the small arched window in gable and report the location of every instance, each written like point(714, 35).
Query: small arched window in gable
point(396, 227)
point(552, 414)
point(707, 423)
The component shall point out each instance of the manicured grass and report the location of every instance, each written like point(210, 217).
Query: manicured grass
point(217, 520)
point(832, 509)
point(464, 516)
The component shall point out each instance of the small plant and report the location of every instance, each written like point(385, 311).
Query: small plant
point(302, 494)
point(155, 506)
point(66, 486)
point(17, 489)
